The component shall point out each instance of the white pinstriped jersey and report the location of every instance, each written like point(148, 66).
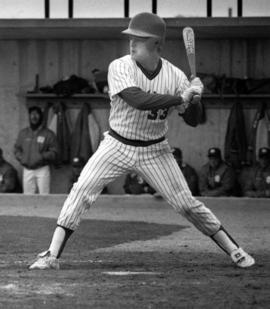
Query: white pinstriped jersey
point(137, 124)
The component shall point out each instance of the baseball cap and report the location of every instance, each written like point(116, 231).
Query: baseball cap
point(177, 152)
point(264, 152)
point(214, 152)
point(77, 162)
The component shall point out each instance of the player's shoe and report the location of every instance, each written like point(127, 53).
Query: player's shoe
point(45, 261)
point(242, 259)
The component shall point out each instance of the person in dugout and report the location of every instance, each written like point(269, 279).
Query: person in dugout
point(188, 171)
point(77, 164)
point(9, 181)
point(216, 177)
point(135, 184)
point(257, 183)
point(36, 149)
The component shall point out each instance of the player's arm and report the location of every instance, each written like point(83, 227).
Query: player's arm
point(194, 110)
point(122, 83)
point(142, 100)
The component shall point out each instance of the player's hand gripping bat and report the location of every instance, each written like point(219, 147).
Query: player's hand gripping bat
point(189, 41)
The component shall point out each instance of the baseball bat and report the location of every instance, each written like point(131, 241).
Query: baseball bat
point(189, 41)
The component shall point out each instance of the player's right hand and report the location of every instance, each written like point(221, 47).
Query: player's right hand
point(190, 93)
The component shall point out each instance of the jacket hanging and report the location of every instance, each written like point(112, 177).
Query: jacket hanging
point(81, 143)
point(235, 139)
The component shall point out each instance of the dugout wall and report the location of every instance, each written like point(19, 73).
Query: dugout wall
point(53, 49)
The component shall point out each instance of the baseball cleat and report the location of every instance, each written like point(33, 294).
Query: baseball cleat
point(242, 259)
point(45, 261)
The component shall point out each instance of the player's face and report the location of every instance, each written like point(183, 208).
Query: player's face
point(141, 47)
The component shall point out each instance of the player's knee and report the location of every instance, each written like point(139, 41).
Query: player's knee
point(191, 204)
point(184, 202)
point(86, 185)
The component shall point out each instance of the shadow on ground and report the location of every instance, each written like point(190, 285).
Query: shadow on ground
point(120, 279)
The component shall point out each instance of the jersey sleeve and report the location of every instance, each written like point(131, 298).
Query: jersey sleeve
point(120, 77)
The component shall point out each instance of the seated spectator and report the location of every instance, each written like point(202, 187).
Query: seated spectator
point(77, 165)
point(189, 172)
point(217, 178)
point(135, 184)
point(257, 184)
point(9, 181)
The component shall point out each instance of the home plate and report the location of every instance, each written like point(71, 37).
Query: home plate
point(128, 273)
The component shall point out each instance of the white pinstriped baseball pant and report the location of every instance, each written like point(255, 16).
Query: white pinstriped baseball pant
point(155, 163)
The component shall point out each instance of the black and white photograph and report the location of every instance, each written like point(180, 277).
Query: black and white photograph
point(134, 154)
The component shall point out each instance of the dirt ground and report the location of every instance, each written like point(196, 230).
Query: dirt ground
point(121, 263)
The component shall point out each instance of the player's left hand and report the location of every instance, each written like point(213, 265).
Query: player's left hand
point(197, 83)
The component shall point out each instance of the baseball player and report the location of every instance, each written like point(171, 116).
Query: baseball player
point(144, 88)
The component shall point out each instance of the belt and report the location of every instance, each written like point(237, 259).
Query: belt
point(134, 142)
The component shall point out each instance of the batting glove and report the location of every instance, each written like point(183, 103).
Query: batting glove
point(190, 92)
point(191, 95)
point(196, 82)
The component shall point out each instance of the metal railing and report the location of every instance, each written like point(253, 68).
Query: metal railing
point(154, 8)
point(239, 8)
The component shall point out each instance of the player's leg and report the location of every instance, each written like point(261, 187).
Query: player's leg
point(111, 160)
point(43, 177)
point(164, 174)
point(29, 181)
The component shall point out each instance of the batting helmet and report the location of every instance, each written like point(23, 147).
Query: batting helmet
point(146, 25)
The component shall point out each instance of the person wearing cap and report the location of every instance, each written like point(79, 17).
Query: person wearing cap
point(36, 149)
point(216, 177)
point(144, 88)
point(135, 184)
point(9, 181)
point(77, 164)
point(188, 171)
point(257, 184)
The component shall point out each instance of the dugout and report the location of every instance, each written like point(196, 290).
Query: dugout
point(53, 48)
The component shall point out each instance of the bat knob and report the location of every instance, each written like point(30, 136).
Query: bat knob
point(196, 99)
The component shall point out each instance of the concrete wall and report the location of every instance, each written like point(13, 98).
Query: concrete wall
point(21, 60)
